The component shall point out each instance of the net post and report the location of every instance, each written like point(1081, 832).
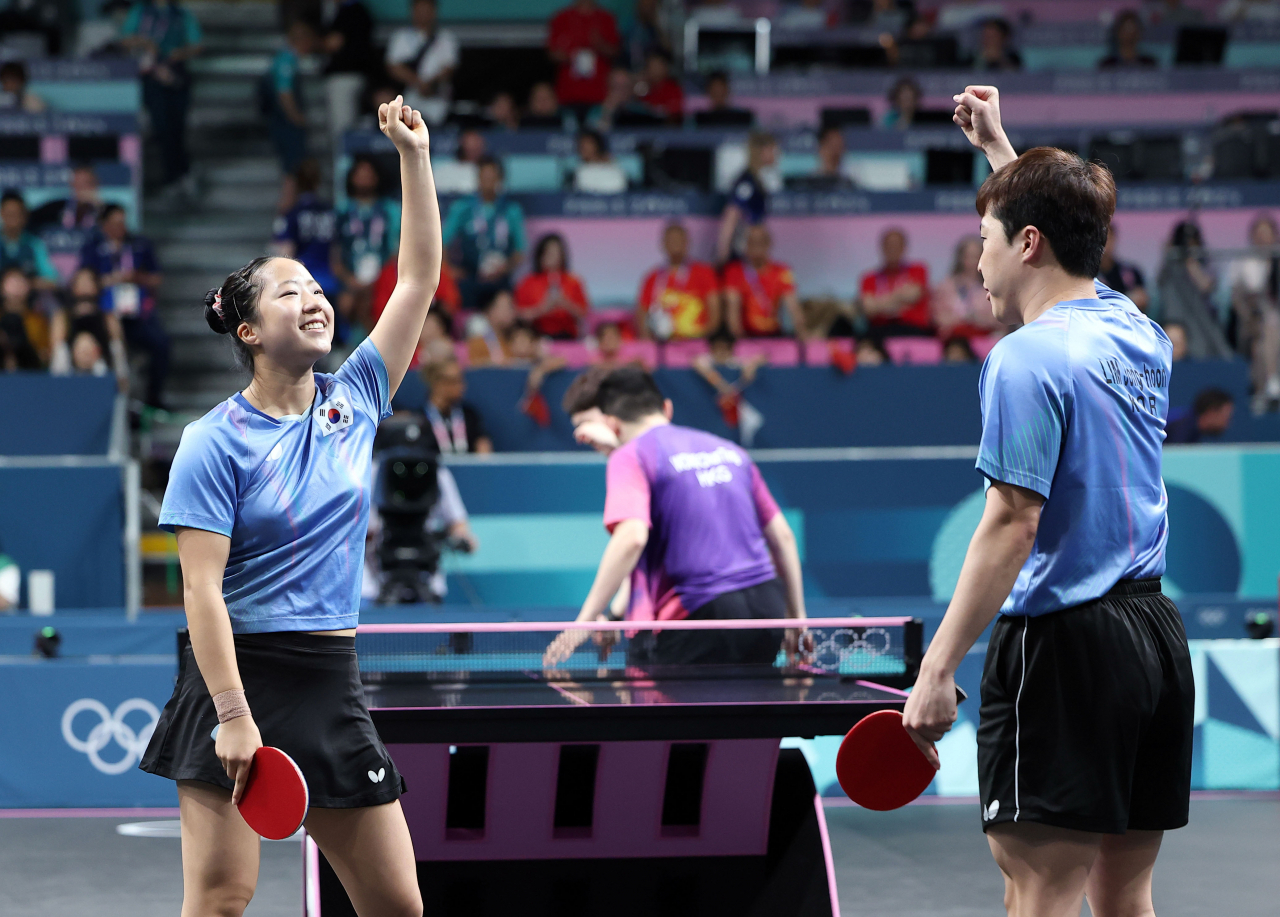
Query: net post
point(912, 649)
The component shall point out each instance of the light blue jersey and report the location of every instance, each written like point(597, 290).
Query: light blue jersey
point(1074, 407)
point(293, 496)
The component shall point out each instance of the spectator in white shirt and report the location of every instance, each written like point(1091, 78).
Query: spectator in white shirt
point(423, 56)
point(10, 583)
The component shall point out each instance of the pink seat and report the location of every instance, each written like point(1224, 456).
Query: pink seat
point(778, 351)
point(644, 351)
point(598, 317)
point(982, 346)
point(914, 351)
point(681, 354)
point(818, 353)
point(574, 353)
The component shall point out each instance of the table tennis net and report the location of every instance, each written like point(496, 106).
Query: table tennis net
point(853, 647)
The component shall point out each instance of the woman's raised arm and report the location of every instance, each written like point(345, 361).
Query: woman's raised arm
point(396, 334)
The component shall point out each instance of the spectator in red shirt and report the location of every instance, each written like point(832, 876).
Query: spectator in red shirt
point(658, 90)
point(681, 299)
point(447, 298)
point(582, 40)
point(551, 299)
point(758, 289)
point(895, 298)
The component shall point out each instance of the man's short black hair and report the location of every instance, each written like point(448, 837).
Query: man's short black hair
point(1069, 200)
point(629, 394)
point(1210, 399)
point(12, 195)
point(488, 159)
point(722, 335)
point(583, 392)
point(109, 211)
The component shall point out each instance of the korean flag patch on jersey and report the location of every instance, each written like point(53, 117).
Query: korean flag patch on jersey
point(334, 415)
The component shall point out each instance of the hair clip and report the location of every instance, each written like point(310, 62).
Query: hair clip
point(217, 305)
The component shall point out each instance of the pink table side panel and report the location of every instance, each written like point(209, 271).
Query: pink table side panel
point(629, 788)
point(425, 769)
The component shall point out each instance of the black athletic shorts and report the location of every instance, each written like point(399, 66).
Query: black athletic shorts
point(1086, 719)
point(723, 647)
point(307, 700)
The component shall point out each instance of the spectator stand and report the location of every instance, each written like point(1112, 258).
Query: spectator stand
point(1188, 96)
point(828, 237)
point(817, 406)
point(92, 118)
point(72, 492)
point(107, 85)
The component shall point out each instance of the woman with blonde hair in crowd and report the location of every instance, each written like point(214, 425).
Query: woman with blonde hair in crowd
point(960, 304)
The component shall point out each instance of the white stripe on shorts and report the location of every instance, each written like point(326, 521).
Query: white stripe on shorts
point(1017, 720)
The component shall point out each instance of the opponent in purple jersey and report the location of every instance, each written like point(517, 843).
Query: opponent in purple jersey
point(694, 527)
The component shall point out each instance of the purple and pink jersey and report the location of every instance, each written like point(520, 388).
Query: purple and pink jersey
point(706, 507)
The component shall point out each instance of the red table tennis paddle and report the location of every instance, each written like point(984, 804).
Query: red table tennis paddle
point(879, 766)
point(275, 798)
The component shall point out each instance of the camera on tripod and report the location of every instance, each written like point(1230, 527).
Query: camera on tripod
point(405, 491)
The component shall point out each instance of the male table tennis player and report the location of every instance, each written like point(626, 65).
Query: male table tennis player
point(695, 528)
point(1084, 747)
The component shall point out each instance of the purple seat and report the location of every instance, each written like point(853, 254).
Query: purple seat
point(914, 351)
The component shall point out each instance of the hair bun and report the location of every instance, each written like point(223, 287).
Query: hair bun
point(212, 299)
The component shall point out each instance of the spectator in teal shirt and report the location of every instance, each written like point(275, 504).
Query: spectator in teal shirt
point(164, 35)
point(368, 235)
point(484, 237)
point(282, 104)
point(21, 249)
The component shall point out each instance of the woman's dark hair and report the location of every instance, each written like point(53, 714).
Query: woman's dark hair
point(234, 303)
point(599, 139)
point(722, 335)
point(307, 176)
point(13, 70)
point(1185, 235)
point(902, 83)
point(369, 161)
point(541, 248)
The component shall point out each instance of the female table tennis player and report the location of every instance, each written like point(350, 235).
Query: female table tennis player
point(269, 497)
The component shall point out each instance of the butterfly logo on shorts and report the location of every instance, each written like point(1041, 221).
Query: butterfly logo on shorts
point(334, 415)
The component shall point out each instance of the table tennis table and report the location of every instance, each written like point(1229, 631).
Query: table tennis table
point(603, 785)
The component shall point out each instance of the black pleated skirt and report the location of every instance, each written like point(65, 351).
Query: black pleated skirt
point(307, 700)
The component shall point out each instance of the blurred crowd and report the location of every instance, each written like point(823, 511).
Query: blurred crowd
point(508, 300)
point(91, 319)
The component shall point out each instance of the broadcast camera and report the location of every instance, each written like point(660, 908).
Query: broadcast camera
point(405, 492)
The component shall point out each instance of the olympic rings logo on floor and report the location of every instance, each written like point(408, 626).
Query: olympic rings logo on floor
point(112, 727)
